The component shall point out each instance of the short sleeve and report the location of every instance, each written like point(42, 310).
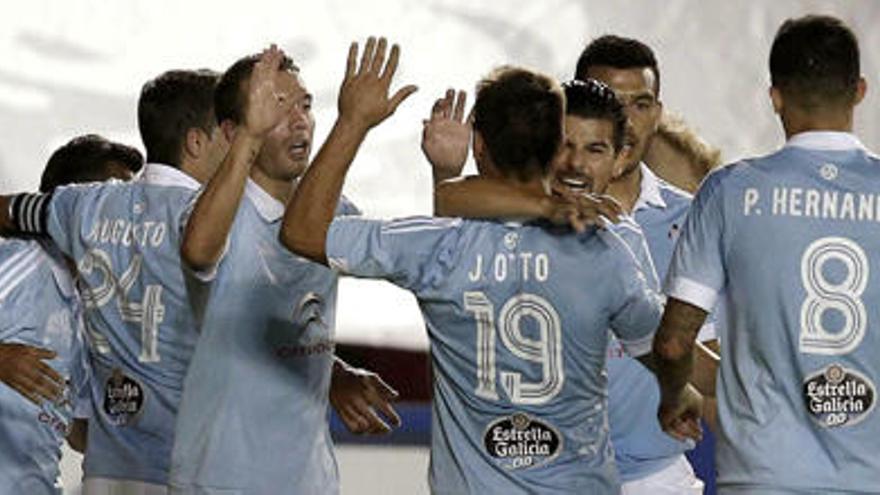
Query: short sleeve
point(408, 252)
point(696, 272)
point(637, 316)
point(69, 208)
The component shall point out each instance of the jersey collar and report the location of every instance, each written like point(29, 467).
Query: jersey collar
point(166, 175)
point(826, 140)
point(649, 195)
point(268, 207)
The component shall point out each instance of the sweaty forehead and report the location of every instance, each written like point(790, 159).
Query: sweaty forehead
point(625, 82)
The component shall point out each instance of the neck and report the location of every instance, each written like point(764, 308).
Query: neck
point(626, 188)
point(796, 121)
point(282, 190)
point(195, 171)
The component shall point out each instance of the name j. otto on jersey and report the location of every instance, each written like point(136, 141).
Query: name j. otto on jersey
point(520, 441)
point(836, 396)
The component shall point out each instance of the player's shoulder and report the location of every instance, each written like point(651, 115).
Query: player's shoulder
point(20, 259)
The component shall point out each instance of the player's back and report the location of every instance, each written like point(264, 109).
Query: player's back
point(38, 307)
point(799, 364)
point(125, 239)
point(518, 318)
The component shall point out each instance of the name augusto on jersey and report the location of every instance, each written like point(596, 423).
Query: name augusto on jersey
point(121, 231)
point(811, 203)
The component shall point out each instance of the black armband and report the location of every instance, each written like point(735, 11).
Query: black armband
point(29, 212)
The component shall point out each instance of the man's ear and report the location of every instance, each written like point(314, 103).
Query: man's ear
point(777, 99)
point(194, 143)
point(227, 127)
point(861, 90)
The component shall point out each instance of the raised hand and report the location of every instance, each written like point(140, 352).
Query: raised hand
point(680, 416)
point(23, 369)
point(355, 394)
point(446, 136)
point(266, 104)
point(363, 98)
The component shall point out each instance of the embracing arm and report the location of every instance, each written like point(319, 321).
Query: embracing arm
point(363, 103)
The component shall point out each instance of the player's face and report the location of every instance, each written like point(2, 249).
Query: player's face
point(286, 150)
point(585, 162)
point(635, 90)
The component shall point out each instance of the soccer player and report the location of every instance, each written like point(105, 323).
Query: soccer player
point(125, 239)
point(787, 241)
point(650, 462)
point(43, 360)
point(254, 413)
point(518, 405)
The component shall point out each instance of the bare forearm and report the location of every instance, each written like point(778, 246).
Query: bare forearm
point(477, 197)
point(214, 212)
point(674, 345)
point(311, 210)
point(705, 369)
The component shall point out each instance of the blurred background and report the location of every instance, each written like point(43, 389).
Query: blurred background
point(73, 67)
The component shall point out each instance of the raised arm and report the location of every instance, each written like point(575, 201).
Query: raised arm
point(363, 104)
point(211, 219)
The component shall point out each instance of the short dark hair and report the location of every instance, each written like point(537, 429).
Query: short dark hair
point(592, 99)
point(229, 99)
point(518, 113)
point(815, 59)
point(170, 105)
point(86, 159)
point(620, 53)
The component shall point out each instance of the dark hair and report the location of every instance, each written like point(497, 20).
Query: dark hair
point(815, 59)
point(86, 159)
point(518, 113)
point(170, 105)
point(229, 99)
point(592, 99)
point(620, 53)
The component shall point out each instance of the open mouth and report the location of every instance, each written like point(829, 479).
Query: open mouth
point(575, 184)
point(299, 149)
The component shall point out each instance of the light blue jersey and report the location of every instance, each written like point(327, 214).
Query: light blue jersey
point(518, 318)
point(790, 242)
point(254, 414)
point(125, 238)
point(641, 448)
point(38, 307)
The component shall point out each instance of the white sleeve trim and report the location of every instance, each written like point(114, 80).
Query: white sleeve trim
point(639, 347)
point(707, 332)
point(208, 274)
point(692, 292)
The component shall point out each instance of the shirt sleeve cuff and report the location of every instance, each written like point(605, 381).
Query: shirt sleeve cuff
point(640, 347)
point(689, 291)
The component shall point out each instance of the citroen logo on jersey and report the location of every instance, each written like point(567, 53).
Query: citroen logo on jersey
point(828, 171)
point(138, 208)
point(511, 239)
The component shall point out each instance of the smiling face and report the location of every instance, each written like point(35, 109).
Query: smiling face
point(287, 148)
point(585, 162)
point(636, 90)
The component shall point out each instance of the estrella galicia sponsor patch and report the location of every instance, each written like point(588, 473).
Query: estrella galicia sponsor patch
point(837, 396)
point(123, 398)
point(519, 441)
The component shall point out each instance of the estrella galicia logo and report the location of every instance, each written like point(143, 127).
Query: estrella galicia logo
point(836, 396)
point(123, 398)
point(519, 441)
